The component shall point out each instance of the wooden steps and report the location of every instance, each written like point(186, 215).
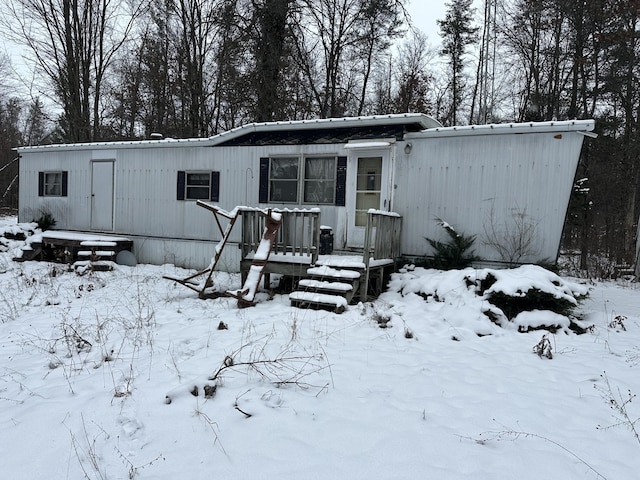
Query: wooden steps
point(326, 288)
point(82, 250)
point(314, 301)
point(100, 256)
point(30, 252)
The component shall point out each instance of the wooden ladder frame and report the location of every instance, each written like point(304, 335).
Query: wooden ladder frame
point(201, 287)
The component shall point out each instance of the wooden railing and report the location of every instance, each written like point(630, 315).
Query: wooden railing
point(381, 240)
point(298, 239)
point(298, 235)
point(382, 237)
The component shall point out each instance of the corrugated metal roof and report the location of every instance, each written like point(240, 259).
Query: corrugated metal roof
point(420, 120)
point(505, 128)
point(428, 126)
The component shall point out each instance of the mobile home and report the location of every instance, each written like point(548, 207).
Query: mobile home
point(492, 181)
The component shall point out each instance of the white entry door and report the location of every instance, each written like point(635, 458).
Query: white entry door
point(368, 187)
point(102, 195)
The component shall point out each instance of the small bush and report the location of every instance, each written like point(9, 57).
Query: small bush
point(532, 299)
point(45, 221)
point(454, 253)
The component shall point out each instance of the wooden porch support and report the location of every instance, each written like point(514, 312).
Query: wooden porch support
point(189, 282)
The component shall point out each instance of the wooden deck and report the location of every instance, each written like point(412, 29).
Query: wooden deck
point(297, 246)
point(69, 247)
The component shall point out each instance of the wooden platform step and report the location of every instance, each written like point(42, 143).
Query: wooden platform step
point(29, 252)
point(335, 273)
point(96, 256)
point(314, 300)
point(83, 266)
point(342, 289)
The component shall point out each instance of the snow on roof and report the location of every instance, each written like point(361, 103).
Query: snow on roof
point(504, 128)
point(428, 125)
point(424, 121)
point(420, 119)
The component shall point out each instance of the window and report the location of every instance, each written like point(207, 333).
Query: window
point(368, 187)
point(52, 184)
point(198, 185)
point(319, 180)
point(309, 180)
point(283, 180)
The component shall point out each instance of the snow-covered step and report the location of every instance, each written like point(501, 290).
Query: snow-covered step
point(343, 289)
point(98, 244)
point(97, 253)
point(329, 272)
point(316, 285)
point(29, 252)
point(300, 299)
point(83, 266)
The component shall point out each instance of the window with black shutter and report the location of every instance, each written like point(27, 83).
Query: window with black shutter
point(53, 184)
point(198, 185)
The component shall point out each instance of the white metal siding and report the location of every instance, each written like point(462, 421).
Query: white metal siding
point(465, 180)
point(147, 180)
point(71, 212)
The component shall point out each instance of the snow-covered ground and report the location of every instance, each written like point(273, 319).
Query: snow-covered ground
point(97, 375)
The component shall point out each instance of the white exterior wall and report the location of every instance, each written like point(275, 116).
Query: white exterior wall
point(146, 187)
point(72, 212)
point(145, 204)
point(472, 181)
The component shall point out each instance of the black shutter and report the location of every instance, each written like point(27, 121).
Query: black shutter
point(263, 196)
point(215, 186)
point(65, 181)
point(341, 181)
point(40, 184)
point(182, 178)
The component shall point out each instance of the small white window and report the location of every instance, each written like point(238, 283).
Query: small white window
point(52, 184)
point(198, 186)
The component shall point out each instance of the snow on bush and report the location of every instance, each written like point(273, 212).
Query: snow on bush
point(525, 298)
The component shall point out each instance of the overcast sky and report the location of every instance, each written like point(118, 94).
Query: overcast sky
point(424, 14)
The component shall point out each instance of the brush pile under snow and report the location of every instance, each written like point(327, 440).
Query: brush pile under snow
point(524, 298)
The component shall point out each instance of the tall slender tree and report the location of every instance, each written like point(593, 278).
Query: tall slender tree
point(272, 32)
point(458, 33)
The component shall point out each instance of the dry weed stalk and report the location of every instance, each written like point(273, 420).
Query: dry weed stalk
point(543, 347)
point(619, 403)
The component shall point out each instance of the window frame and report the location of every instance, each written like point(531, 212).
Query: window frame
point(183, 185)
point(193, 186)
point(271, 179)
point(302, 181)
point(340, 179)
point(44, 184)
point(306, 181)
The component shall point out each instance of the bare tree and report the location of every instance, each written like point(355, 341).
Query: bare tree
point(196, 26)
point(335, 35)
point(73, 43)
point(380, 23)
point(413, 78)
point(272, 18)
